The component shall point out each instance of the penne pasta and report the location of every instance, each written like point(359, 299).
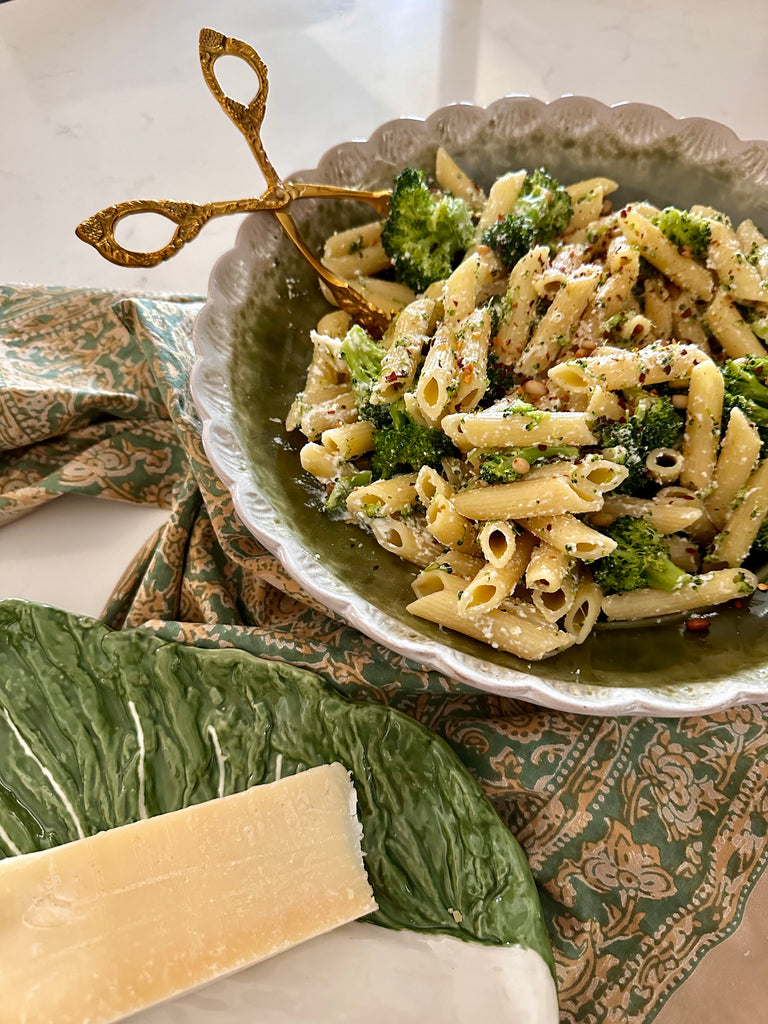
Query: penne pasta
point(664, 465)
point(523, 499)
point(429, 484)
point(531, 397)
point(334, 324)
point(404, 540)
point(746, 516)
point(437, 381)
point(555, 330)
point(451, 178)
point(727, 324)
point(657, 306)
point(318, 461)
point(739, 452)
point(672, 515)
point(492, 584)
point(513, 427)
point(664, 255)
point(497, 540)
point(584, 610)
point(470, 284)
point(501, 199)
point(570, 536)
point(616, 369)
point(472, 340)
point(349, 440)
point(754, 245)
point(408, 336)
point(521, 301)
point(553, 605)
point(702, 592)
point(447, 525)
point(384, 497)
point(702, 426)
point(733, 269)
point(517, 630)
point(547, 568)
point(317, 411)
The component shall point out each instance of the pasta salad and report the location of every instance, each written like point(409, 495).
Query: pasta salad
point(565, 418)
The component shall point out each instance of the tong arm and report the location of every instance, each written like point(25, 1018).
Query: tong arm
point(189, 218)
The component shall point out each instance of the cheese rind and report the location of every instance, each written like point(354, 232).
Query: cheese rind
point(108, 925)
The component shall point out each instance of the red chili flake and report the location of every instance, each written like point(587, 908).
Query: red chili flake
point(541, 447)
point(549, 527)
point(642, 377)
point(684, 315)
point(375, 567)
point(738, 603)
point(697, 625)
point(623, 214)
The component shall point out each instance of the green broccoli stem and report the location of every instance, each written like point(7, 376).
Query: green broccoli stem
point(665, 575)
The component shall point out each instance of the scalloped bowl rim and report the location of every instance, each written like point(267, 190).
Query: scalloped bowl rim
point(674, 701)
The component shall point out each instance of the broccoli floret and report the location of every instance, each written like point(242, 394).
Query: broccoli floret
point(745, 389)
point(363, 356)
point(662, 424)
point(685, 229)
point(540, 214)
point(404, 446)
point(761, 540)
point(640, 559)
point(424, 233)
point(343, 487)
point(655, 423)
point(496, 467)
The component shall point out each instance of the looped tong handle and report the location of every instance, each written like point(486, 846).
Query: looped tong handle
point(248, 119)
point(189, 218)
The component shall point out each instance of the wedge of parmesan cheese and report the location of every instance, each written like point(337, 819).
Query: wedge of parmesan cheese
point(102, 927)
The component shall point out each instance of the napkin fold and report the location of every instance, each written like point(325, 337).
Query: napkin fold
point(646, 836)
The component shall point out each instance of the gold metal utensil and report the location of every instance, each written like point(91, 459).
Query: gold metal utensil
point(189, 218)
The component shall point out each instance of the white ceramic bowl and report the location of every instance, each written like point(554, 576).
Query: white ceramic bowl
point(262, 290)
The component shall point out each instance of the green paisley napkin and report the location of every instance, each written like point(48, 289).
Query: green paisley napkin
point(646, 836)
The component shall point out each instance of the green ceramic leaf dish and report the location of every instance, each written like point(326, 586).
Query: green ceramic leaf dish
point(98, 728)
point(251, 339)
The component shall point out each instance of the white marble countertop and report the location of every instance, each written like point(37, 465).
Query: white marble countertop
point(101, 102)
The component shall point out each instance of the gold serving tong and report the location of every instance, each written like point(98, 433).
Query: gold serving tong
point(189, 218)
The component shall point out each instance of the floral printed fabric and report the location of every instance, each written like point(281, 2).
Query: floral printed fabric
point(645, 835)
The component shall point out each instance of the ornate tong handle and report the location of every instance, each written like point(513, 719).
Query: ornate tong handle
point(189, 218)
point(248, 119)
